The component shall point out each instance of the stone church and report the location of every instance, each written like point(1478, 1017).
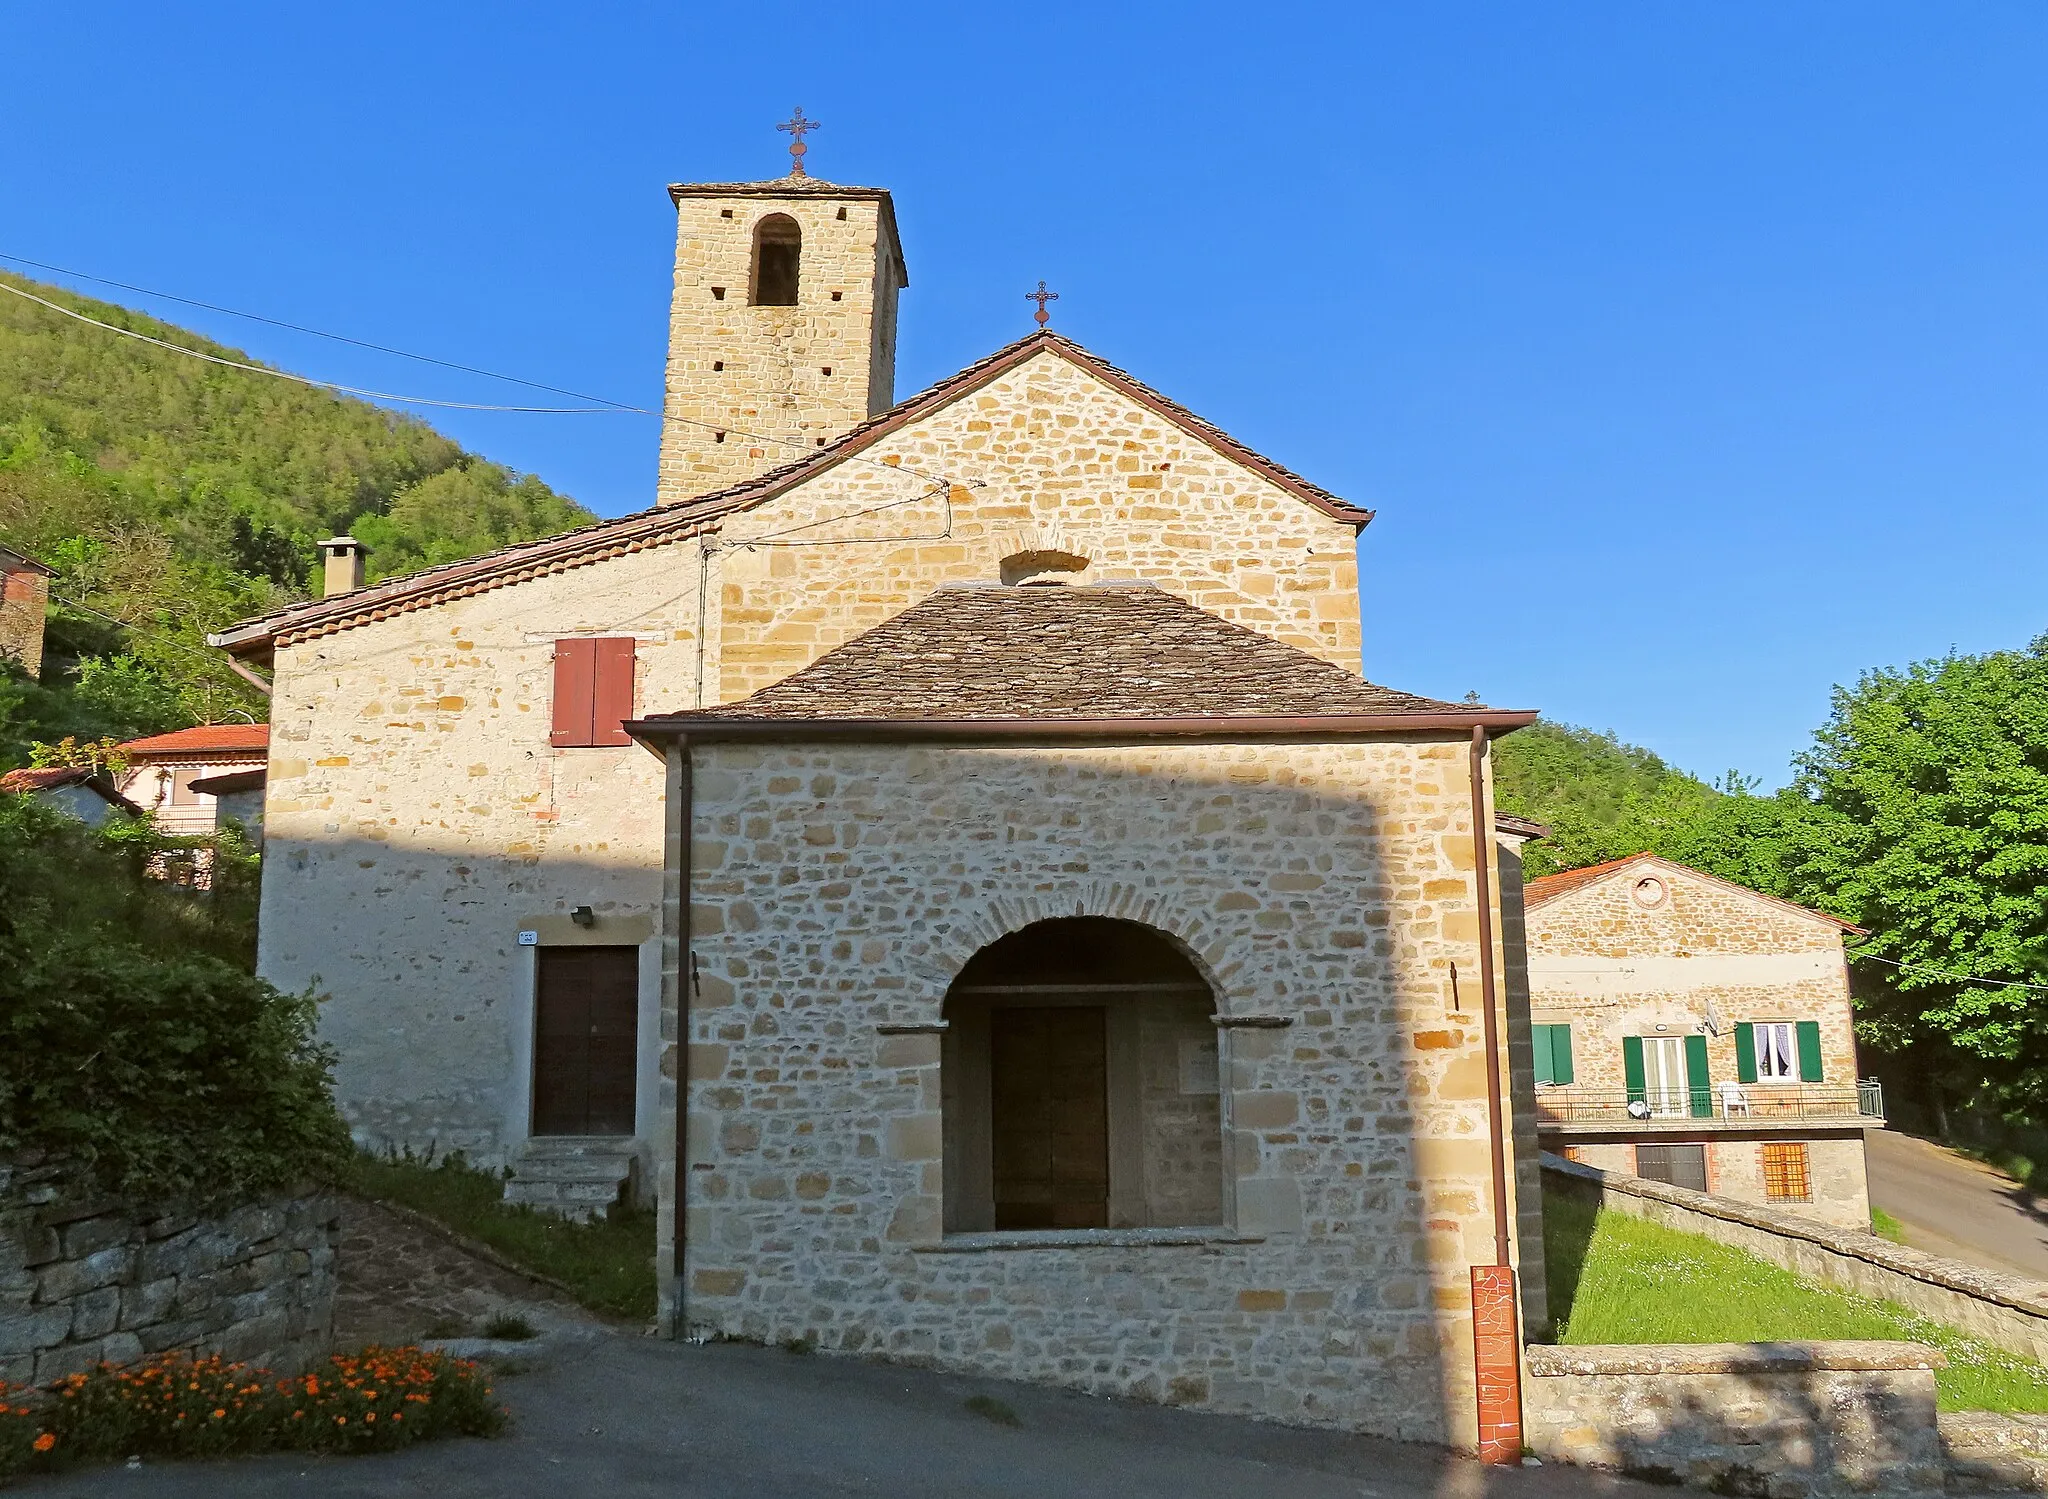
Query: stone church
point(945, 855)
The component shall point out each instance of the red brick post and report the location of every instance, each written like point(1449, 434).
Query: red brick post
point(1497, 1363)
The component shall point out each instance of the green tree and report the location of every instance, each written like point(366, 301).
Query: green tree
point(1928, 824)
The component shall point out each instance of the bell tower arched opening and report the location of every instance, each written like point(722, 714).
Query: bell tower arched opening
point(778, 259)
point(1080, 1083)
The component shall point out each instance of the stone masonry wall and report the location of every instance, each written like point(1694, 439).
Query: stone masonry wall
point(1788, 1420)
point(417, 820)
point(83, 1282)
point(1046, 457)
point(775, 381)
point(1322, 889)
point(24, 600)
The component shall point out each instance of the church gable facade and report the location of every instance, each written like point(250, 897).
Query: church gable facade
point(459, 833)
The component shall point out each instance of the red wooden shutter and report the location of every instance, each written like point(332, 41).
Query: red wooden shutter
point(575, 692)
point(612, 701)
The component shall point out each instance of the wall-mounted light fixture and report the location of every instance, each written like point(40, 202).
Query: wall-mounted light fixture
point(583, 916)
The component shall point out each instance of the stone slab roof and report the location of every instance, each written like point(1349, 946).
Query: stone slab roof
point(1552, 887)
point(1064, 654)
point(669, 524)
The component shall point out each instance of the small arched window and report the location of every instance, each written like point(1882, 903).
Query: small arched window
point(778, 247)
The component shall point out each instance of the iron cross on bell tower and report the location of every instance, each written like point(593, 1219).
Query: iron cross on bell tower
point(798, 127)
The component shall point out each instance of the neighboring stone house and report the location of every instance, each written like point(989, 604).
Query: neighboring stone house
point(176, 777)
point(24, 603)
point(84, 792)
point(1287, 1173)
point(1692, 1031)
point(1069, 991)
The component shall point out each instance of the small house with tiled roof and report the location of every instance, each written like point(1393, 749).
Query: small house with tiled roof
point(174, 777)
point(1691, 1030)
point(1025, 893)
point(84, 792)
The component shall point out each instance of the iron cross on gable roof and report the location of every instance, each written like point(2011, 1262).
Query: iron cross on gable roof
point(1041, 297)
point(798, 127)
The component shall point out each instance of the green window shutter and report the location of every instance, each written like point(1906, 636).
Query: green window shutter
point(1561, 1053)
point(1745, 1052)
point(1697, 1082)
point(1539, 1042)
point(1809, 1051)
point(1632, 1067)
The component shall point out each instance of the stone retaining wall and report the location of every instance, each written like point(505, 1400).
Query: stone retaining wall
point(1787, 1420)
point(2006, 1310)
point(87, 1280)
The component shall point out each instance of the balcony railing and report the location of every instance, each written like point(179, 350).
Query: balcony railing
point(1732, 1104)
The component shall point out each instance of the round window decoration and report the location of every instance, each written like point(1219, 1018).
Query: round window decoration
point(1649, 892)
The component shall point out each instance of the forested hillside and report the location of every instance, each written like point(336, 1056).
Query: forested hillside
point(173, 496)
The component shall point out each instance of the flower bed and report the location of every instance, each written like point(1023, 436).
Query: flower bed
point(178, 1406)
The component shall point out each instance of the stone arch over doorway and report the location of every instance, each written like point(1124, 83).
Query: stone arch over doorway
point(1080, 1083)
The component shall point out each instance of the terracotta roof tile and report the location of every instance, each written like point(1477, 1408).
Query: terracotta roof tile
point(43, 778)
point(210, 738)
point(667, 524)
point(1551, 886)
point(1077, 652)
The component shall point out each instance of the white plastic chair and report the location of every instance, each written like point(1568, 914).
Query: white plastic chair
point(1733, 1099)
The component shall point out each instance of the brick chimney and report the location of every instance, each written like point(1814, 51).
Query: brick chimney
point(344, 556)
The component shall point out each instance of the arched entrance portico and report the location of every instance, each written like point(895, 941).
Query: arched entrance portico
point(1080, 1083)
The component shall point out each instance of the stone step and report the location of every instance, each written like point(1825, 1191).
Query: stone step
point(578, 1177)
point(574, 1169)
point(562, 1194)
point(560, 1147)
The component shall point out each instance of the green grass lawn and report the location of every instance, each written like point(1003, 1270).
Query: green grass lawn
point(609, 1263)
point(1617, 1279)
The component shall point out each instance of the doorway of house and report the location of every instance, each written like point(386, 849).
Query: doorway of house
point(1664, 1076)
point(586, 1039)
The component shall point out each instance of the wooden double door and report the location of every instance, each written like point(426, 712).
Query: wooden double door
point(586, 1040)
point(1049, 1116)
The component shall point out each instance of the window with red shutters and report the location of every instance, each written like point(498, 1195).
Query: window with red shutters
point(593, 690)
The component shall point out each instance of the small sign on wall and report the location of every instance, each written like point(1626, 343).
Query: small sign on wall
point(1198, 1069)
point(529, 939)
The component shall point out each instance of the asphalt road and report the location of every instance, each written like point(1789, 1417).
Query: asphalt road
point(630, 1416)
point(1953, 1206)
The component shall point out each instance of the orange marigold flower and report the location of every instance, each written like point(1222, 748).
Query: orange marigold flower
point(341, 1420)
point(46, 1441)
point(218, 1414)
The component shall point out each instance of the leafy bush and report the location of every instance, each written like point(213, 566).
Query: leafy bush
point(134, 1042)
point(178, 1406)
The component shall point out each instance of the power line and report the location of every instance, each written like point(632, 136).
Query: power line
point(606, 408)
point(257, 317)
point(259, 369)
point(1953, 978)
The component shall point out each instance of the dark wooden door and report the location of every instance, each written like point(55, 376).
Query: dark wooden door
point(1048, 1096)
point(586, 1039)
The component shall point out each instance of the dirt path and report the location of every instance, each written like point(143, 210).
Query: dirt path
point(401, 1282)
point(1956, 1207)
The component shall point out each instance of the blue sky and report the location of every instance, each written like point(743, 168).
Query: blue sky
point(1692, 356)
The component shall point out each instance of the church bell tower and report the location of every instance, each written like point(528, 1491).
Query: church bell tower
point(782, 332)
